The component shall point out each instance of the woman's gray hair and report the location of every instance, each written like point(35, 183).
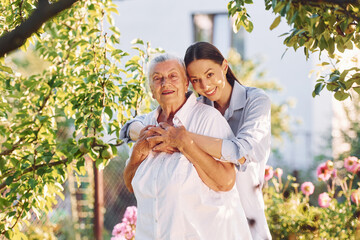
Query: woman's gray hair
point(163, 57)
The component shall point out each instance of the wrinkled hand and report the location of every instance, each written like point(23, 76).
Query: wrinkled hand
point(167, 138)
point(142, 145)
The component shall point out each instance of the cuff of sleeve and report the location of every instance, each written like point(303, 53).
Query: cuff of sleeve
point(124, 134)
point(230, 152)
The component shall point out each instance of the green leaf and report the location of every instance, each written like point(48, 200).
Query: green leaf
point(342, 85)
point(6, 69)
point(341, 96)
point(331, 87)
point(275, 23)
point(357, 89)
point(114, 149)
point(285, 9)
point(334, 78)
point(108, 111)
point(93, 31)
point(9, 180)
point(137, 41)
point(32, 183)
point(318, 87)
point(248, 25)
point(41, 171)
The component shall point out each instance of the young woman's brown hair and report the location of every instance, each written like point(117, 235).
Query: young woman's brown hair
point(205, 50)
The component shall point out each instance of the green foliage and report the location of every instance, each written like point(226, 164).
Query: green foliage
point(315, 26)
point(291, 215)
point(87, 81)
point(247, 71)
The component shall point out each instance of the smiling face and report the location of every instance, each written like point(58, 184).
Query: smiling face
point(168, 83)
point(209, 79)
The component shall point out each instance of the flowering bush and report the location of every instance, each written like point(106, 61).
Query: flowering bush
point(126, 229)
point(290, 213)
point(336, 214)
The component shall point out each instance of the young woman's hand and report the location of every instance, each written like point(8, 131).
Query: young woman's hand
point(167, 138)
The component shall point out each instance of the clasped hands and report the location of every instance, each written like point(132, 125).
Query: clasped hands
point(162, 138)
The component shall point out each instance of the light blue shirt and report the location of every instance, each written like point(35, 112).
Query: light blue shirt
point(249, 116)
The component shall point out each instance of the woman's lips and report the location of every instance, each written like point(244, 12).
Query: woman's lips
point(167, 92)
point(211, 92)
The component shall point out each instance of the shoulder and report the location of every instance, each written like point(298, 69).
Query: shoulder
point(207, 120)
point(254, 93)
point(206, 115)
point(257, 96)
point(204, 110)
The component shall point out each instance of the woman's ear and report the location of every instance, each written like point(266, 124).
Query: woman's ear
point(225, 66)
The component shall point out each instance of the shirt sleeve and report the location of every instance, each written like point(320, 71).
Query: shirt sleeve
point(216, 126)
point(124, 132)
point(252, 139)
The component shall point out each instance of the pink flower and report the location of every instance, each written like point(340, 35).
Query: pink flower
point(126, 229)
point(352, 164)
point(355, 196)
point(307, 188)
point(323, 172)
point(269, 173)
point(324, 200)
point(278, 172)
point(130, 215)
point(119, 228)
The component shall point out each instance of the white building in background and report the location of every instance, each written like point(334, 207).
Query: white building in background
point(174, 25)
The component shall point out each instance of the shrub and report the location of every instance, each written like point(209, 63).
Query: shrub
point(290, 213)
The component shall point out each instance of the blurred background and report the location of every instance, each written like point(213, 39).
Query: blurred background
point(306, 130)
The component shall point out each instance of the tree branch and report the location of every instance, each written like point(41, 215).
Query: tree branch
point(8, 151)
point(34, 168)
point(44, 11)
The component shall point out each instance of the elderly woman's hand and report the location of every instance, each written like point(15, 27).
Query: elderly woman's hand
point(168, 138)
point(142, 145)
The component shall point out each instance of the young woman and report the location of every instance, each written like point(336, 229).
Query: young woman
point(246, 109)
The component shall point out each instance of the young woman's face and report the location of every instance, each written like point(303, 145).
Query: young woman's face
point(208, 78)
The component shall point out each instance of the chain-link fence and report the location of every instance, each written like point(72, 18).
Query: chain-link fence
point(116, 196)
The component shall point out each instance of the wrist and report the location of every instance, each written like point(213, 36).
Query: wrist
point(184, 141)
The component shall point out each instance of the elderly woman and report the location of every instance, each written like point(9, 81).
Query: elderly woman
point(178, 195)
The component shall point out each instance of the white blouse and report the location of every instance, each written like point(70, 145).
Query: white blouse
point(173, 202)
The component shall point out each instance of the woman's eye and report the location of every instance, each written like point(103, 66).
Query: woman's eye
point(210, 75)
point(173, 76)
point(157, 79)
point(194, 80)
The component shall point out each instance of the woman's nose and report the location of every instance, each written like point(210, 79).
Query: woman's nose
point(204, 84)
point(164, 81)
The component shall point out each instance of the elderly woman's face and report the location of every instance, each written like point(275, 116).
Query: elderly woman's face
point(168, 82)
